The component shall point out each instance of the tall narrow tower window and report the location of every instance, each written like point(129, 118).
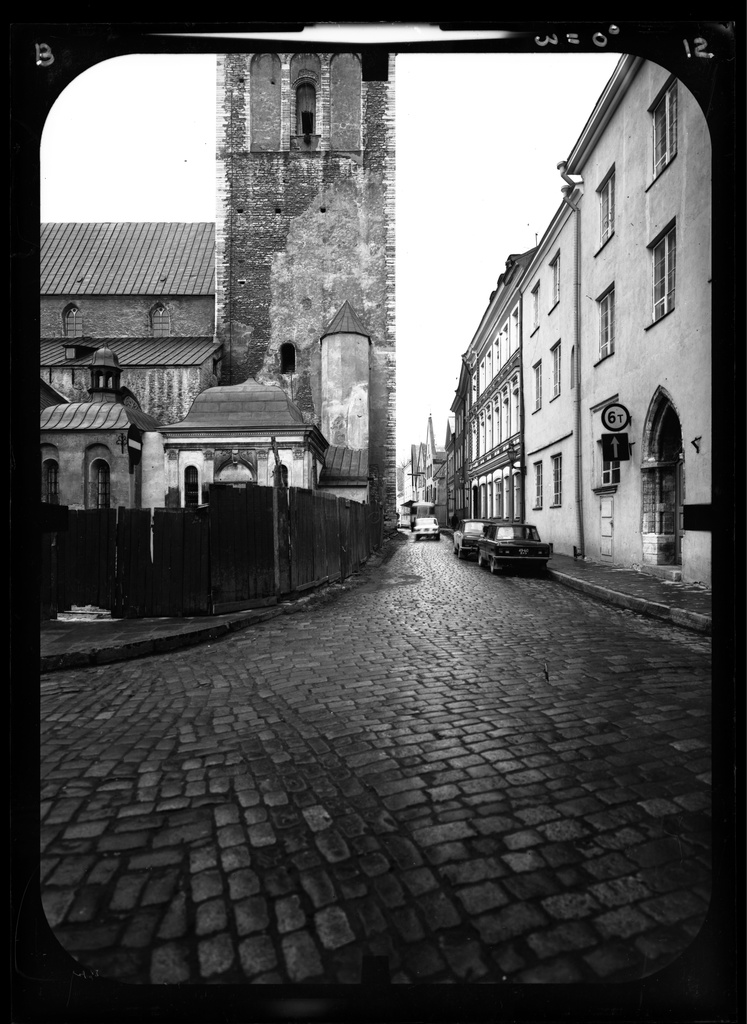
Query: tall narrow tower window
point(305, 109)
point(191, 487)
point(160, 323)
point(287, 358)
point(72, 322)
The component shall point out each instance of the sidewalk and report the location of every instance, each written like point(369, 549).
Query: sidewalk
point(65, 644)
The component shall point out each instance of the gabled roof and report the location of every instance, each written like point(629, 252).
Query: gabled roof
point(344, 467)
point(132, 352)
point(161, 258)
point(345, 321)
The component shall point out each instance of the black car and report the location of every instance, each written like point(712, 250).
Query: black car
point(512, 546)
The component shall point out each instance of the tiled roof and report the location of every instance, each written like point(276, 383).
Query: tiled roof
point(345, 321)
point(128, 259)
point(133, 352)
point(49, 396)
point(95, 416)
point(344, 467)
point(241, 405)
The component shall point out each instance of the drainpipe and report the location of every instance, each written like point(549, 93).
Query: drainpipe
point(568, 189)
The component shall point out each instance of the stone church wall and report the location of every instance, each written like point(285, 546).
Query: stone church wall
point(128, 316)
point(303, 226)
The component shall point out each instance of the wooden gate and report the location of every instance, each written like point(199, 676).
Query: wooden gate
point(181, 562)
point(242, 547)
point(86, 557)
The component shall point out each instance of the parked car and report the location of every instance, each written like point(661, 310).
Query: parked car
point(512, 546)
point(467, 534)
point(427, 526)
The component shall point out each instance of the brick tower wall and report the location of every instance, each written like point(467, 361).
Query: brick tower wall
point(301, 226)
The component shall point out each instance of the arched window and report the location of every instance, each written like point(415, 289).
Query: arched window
point(50, 493)
point(281, 475)
point(305, 109)
point(160, 322)
point(101, 482)
point(72, 322)
point(287, 358)
point(191, 487)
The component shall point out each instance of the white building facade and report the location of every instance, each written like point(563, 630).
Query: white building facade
point(644, 323)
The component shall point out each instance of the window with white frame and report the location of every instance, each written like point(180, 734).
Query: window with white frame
point(498, 498)
point(515, 328)
point(607, 324)
point(664, 263)
point(489, 428)
point(573, 366)
point(496, 423)
point(538, 385)
point(535, 306)
point(482, 376)
point(538, 485)
point(607, 208)
point(557, 479)
point(516, 479)
point(515, 406)
point(611, 472)
point(497, 353)
point(506, 416)
point(665, 129)
point(555, 265)
point(556, 370)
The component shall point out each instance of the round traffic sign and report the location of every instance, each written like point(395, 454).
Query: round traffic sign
point(615, 417)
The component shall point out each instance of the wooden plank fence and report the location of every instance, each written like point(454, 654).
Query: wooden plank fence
point(250, 546)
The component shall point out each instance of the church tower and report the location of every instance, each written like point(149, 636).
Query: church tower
point(304, 225)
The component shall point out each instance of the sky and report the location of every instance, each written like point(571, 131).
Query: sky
point(476, 179)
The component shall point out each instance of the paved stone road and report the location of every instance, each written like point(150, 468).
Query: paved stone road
point(481, 779)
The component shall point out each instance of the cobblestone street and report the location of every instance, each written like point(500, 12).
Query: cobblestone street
point(480, 779)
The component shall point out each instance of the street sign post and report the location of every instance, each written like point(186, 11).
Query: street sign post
point(134, 445)
point(615, 448)
point(615, 417)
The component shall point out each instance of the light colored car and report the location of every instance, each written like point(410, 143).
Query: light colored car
point(467, 534)
point(512, 546)
point(427, 527)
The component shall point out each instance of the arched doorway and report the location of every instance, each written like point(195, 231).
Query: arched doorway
point(663, 483)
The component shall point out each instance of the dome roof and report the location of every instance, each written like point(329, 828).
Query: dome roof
point(105, 357)
point(242, 405)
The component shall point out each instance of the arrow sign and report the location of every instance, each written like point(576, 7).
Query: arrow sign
point(615, 447)
point(134, 445)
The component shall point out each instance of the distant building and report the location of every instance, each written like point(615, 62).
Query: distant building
point(494, 407)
